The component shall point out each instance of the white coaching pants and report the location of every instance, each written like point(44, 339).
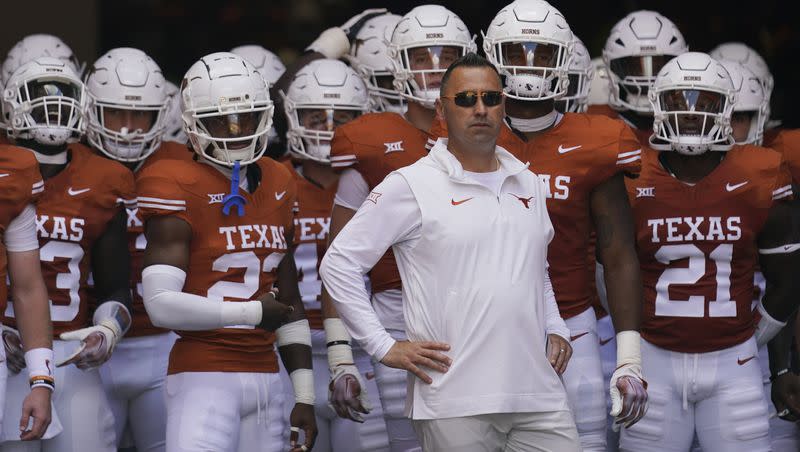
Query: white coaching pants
point(511, 432)
point(717, 395)
point(134, 382)
point(583, 380)
point(81, 418)
point(224, 411)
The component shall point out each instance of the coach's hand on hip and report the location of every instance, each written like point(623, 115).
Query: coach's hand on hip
point(413, 355)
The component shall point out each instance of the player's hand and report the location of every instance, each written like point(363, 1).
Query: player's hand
point(413, 355)
point(15, 355)
point(786, 396)
point(36, 406)
point(273, 312)
point(347, 393)
point(302, 418)
point(97, 343)
point(628, 396)
point(559, 351)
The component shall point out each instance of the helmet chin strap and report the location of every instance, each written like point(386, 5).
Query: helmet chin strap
point(534, 124)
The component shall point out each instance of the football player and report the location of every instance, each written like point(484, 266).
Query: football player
point(580, 72)
point(81, 227)
point(423, 45)
point(369, 56)
point(126, 117)
point(20, 186)
point(583, 160)
point(324, 95)
point(220, 235)
point(705, 211)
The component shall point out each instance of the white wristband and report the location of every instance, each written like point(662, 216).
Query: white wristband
point(297, 332)
point(338, 342)
point(303, 384)
point(39, 362)
point(629, 348)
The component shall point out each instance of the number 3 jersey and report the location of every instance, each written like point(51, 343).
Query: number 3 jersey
point(71, 215)
point(231, 258)
point(697, 247)
point(20, 185)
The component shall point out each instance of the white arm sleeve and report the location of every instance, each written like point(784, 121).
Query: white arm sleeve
point(393, 218)
point(554, 324)
point(169, 307)
point(352, 190)
point(21, 232)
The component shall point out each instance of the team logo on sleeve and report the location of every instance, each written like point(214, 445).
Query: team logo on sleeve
point(216, 198)
point(395, 146)
point(645, 192)
point(374, 197)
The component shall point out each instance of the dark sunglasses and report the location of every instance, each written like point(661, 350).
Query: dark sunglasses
point(470, 98)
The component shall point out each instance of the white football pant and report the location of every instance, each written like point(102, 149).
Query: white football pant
point(3, 380)
point(608, 360)
point(717, 395)
point(81, 419)
point(134, 382)
point(224, 411)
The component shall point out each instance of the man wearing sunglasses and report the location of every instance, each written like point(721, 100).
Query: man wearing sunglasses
point(469, 227)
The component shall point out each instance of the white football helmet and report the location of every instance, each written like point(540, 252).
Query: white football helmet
point(266, 63)
point(227, 111)
point(581, 73)
point(369, 57)
point(323, 95)
point(749, 58)
point(173, 121)
point(749, 99)
point(44, 101)
point(638, 47)
point(530, 43)
point(126, 79)
point(424, 44)
point(692, 101)
point(35, 46)
point(598, 90)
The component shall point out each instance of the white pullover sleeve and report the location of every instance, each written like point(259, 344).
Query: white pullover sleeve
point(554, 324)
point(389, 216)
point(169, 307)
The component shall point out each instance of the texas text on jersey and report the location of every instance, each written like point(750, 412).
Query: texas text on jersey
point(232, 258)
point(697, 247)
point(72, 214)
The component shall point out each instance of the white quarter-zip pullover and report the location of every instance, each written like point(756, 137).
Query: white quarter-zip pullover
point(474, 271)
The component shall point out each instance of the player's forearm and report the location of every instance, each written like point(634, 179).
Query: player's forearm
point(111, 263)
point(779, 349)
point(169, 307)
point(32, 312)
point(624, 290)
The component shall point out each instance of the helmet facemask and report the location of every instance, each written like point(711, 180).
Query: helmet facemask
point(691, 120)
point(48, 110)
point(532, 70)
point(631, 78)
point(127, 134)
point(231, 132)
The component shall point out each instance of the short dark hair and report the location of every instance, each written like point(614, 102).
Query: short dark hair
point(470, 59)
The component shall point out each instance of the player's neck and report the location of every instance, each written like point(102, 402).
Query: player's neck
point(319, 173)
point(690, 169)
point(532, 110)
point(641, 121)
point(228, 172)
point(419, 116)
point(52, 159)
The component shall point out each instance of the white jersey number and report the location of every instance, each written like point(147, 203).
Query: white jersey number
point(721, 306)
point(305, 258)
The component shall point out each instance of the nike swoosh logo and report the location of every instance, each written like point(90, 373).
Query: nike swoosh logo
point(577, 336)
point(563, 150)
point(730, 187)
point(4, 175)
point(279, 196)
point(455, 203)
point(743, 361)
point(77, 192)
point(605, 341)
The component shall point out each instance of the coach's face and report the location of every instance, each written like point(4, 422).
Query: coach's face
point(471, 107)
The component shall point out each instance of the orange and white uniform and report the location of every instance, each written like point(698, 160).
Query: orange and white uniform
point(72, 214)
point(572, 158)
point(134, 375)
point(223, 379)
point(697, 250)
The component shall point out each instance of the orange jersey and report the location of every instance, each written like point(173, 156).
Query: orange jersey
point(72, 214)
point(20, 185)
point(787, 142)
point(579, 153)
point(697, 247)
point(141, 325)
point(311, 228)
point(375, 145)
point(231, 258)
